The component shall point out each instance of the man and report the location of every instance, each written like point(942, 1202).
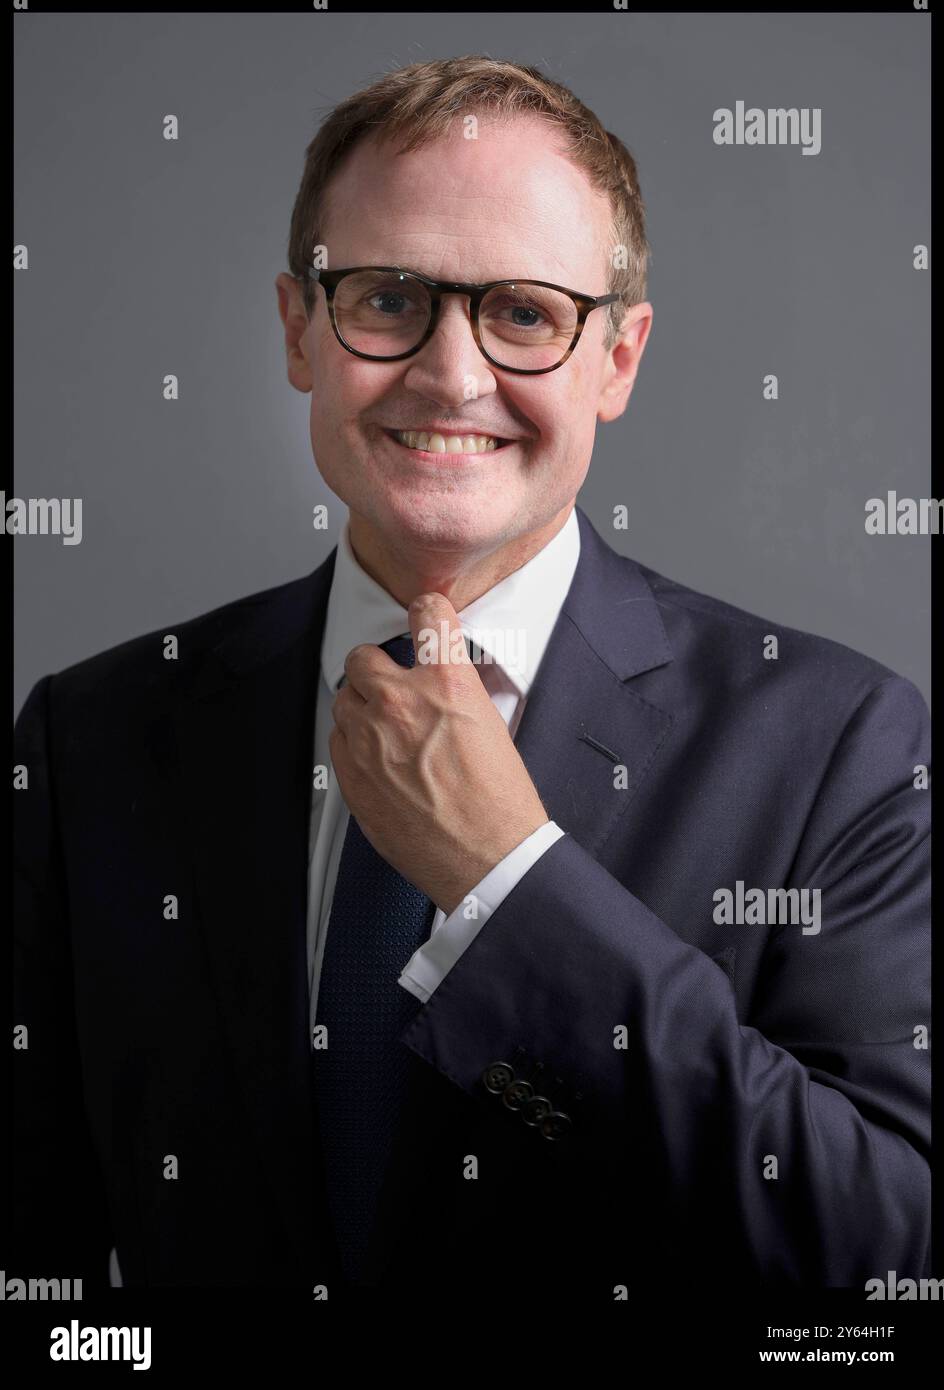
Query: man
point(594, 949)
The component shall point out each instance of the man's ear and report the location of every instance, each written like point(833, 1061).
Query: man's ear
point(623, 362)
point(293, 316)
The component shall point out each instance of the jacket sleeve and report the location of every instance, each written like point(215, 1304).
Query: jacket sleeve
point(60, 1219)
point(826, 1072)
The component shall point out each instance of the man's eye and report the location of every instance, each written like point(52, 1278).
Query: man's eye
point(517, 314)
point(390, 302)
point(529, 314)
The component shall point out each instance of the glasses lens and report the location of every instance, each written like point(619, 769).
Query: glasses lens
point(527, 325)
point(380, 312)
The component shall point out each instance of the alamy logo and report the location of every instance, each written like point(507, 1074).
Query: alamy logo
point(41, 1289)
point(42, 516)
point(776, 126)
point(768, 907)
point(504, 645)
point(74, 1343)
point(903, 1290)
point(904, 516)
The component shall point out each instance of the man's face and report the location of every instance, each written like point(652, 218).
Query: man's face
point(506, 205)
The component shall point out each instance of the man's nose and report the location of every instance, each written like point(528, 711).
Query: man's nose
point(446, 365)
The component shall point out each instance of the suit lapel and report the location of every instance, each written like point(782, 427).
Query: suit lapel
point(582, 717)
point(245, 733)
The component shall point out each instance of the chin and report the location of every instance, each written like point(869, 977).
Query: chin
point(444, 522)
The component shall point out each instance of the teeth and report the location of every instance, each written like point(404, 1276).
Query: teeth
point(447, 444)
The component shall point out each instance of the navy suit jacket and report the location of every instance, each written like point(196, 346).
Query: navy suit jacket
point(641, 1091)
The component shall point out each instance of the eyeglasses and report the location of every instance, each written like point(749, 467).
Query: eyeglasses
point(384, 314)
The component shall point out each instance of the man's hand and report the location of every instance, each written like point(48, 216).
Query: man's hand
point(425, 763)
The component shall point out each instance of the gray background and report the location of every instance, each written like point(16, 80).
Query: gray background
point(149, 257)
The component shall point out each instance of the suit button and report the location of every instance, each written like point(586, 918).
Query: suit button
point(535, 1110)
point(497, 1076)
point(556, 1125)
point(517, 1093)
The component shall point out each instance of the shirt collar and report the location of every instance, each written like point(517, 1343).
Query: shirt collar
point(512, 622)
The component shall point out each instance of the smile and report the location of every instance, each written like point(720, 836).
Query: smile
point(447, 444)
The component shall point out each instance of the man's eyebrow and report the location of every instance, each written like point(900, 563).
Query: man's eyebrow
point(488, 280)
point(413, 270)
point(397, 265)
point(393, 265)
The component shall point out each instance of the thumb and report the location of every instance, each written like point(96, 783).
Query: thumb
point(437, 634)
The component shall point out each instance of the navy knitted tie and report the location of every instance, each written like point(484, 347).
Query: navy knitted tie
point(378, 919)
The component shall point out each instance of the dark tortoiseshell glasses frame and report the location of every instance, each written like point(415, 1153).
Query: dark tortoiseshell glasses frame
point(584, 304)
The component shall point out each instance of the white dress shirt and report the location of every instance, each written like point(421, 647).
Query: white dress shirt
point(511, 623)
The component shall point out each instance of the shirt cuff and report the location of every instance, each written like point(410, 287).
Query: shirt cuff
point(428, 966)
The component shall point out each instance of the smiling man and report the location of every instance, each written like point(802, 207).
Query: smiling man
point(459, 1014)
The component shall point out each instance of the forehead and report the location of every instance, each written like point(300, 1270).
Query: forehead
point(509, 202)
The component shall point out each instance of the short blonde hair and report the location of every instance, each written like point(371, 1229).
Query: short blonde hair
point(420, 103)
